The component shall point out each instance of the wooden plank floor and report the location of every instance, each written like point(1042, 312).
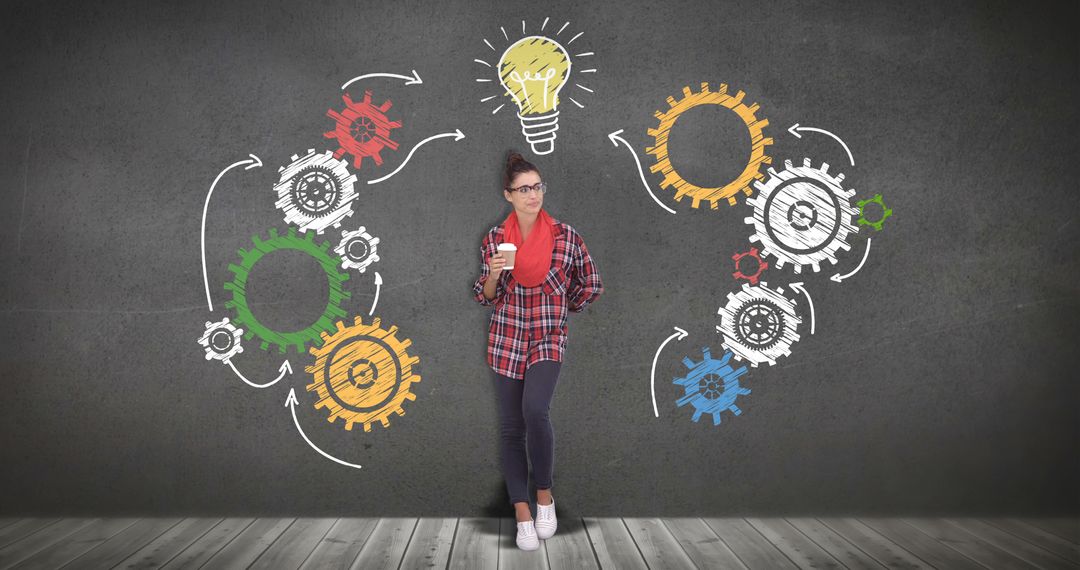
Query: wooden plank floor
point(580, 543)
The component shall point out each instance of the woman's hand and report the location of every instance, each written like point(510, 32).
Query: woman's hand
point(496, 263)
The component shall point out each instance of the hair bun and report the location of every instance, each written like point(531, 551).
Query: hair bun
point(516, 164)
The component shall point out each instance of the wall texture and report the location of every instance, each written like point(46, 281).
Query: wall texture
point(937, 381)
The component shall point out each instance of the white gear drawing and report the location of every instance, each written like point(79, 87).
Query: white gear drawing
point(221, 340)
point(758, 324)
point(357, 249)
point(315, 191)
point(802, 215)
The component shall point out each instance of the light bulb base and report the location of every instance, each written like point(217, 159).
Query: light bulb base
point(539, 131)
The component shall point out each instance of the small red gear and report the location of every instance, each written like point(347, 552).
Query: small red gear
point(762, 266)
point(362, 129)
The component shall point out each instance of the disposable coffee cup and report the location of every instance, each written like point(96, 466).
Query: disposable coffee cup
point(509, 251)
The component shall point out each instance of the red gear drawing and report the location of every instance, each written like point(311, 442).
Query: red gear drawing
point(362, 129)
point(762, 266)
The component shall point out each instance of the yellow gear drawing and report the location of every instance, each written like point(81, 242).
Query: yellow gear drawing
point(362, 373)
point(757, 140)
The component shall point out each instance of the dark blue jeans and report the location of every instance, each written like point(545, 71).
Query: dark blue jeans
point(523, 411)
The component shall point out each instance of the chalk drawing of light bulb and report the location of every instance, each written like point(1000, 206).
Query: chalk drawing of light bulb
point(533, 70)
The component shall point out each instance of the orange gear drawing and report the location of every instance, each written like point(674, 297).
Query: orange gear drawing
point(362, 373)
point(757, 140)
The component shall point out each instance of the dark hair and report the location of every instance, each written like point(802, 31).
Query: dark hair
point(516, 164)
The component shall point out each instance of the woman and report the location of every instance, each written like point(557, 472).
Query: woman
point(552, 273)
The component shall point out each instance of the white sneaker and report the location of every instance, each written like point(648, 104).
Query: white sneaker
point(526, 536)
point(546, 523)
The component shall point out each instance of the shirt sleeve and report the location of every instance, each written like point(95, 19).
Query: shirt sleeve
point(585, 282)
point(487, 249)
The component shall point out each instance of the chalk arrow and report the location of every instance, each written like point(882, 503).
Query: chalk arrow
point(414, 79)
point(680, 334)
point(615, 140)
point(838, 278)
point(458, 135)
point(794, 129)
point(378, 287)
point(253, 162)
point(799, 287)
point(284, 369)
point(291, 403)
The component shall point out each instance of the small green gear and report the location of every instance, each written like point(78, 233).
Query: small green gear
point(885, 212)
point(306, 244)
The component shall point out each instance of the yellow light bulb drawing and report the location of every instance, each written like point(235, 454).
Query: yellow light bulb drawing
point(533, 70)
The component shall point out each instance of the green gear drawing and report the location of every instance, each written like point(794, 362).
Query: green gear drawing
point(298, 339)
point(885, 212)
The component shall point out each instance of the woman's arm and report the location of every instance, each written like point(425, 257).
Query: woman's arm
point(489, 287)
point(585, 282)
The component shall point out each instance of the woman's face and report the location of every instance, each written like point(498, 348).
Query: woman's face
point(530, 202)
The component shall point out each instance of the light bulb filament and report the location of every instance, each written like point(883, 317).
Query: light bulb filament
point(529, 76)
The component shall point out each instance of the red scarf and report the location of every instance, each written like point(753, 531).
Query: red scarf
point(533, 258)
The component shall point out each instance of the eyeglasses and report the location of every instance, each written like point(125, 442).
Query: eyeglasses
point(539, 188)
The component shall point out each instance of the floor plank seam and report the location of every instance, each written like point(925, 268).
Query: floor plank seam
point(197, 539)
point(143, 545)
point(226, 545)
point(887, 540)
point(634, 541)
point(725, 543)
point(949, 546)
point(766, 539)
point(851, 542)
point(98, 545)
point(453, 541)
point(412, 533)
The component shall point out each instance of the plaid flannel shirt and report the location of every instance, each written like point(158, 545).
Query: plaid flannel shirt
point(528, 324)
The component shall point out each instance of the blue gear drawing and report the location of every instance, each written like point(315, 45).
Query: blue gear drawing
point(711, 386)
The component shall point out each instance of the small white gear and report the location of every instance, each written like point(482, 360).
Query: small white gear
point(357, 249)
point(221, 340)
point(758, 324)
point(802, 215)
point(315, 191)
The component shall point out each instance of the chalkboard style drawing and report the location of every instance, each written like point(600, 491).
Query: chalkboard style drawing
point(221, 340)
point(357, 249)
point(315, 191)
point(711, 386)
point(802, 215)
point(758, 142)
point(533, 71)
point(758, 324)
point(362, 129)
point(885, 212)
point(363, 373)
point(744, 261)
point(238, 286)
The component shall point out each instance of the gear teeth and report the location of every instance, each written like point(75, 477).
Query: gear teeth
point(713, 195)
point(791, 246)
point(776, 342)
point(387, 345)
point(711, 386)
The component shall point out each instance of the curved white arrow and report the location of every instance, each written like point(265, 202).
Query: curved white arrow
point(838, 278)
point(795, 128)
point(253, 162)
point(291, 403)
point(799, 287)
point(681, 334)
point(282, 370)
point(414, 79)
point(378, 287)
point(458, 135)
point(615, 139)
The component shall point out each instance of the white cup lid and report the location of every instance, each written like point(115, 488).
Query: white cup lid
point(507, 246)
